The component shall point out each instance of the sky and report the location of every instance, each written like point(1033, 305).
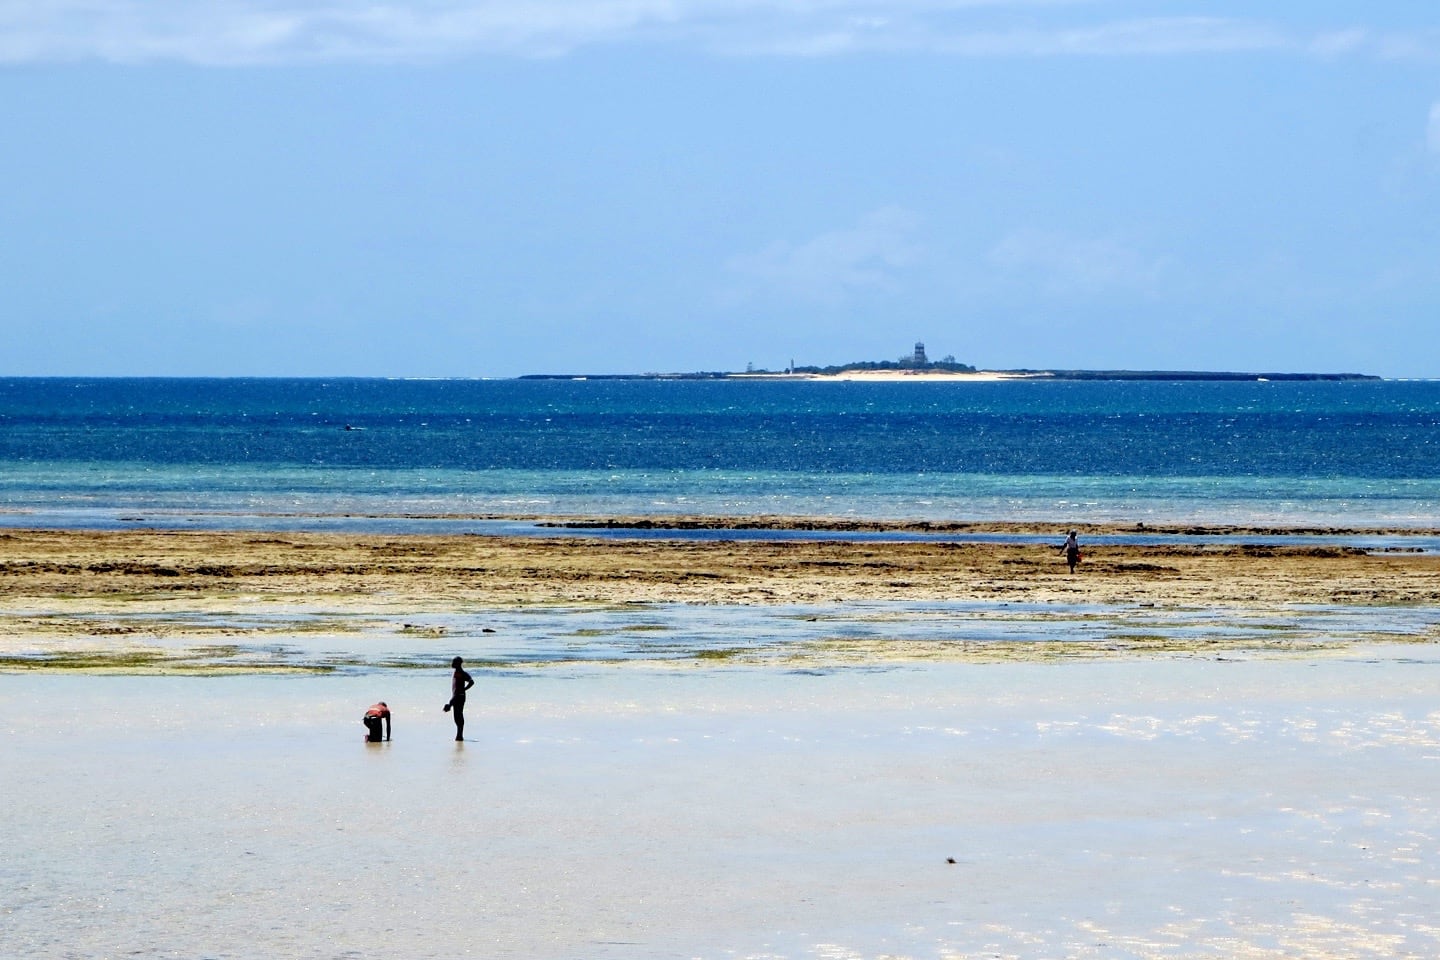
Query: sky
point(499, 187)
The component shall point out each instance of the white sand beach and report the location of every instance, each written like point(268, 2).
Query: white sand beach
point(898, 376)
point(921, 376)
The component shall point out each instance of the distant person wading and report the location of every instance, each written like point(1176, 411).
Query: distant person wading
point(1071, 547)
point(456, 707)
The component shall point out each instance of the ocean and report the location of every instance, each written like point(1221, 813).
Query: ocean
point(97, 452)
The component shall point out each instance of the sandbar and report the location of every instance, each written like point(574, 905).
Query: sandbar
point(425, 570)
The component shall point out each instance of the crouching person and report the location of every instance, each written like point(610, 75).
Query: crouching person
point(372, 720)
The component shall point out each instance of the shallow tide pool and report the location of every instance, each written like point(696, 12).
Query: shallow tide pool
point(246, 636)
point(1140, 807)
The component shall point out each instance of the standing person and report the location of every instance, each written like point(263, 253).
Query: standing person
point(458, 685)
point(372, 719)
point(1071, 546)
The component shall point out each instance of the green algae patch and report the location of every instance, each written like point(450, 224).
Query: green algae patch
point(619, 630)
point(411, 663)
point(206, 661)
point(720, 654)
point(419, 630)
point(326, 625)
point(178, 625)
point(847, 652)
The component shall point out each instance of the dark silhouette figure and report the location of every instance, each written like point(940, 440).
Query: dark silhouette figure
point(1071, 546)
point(458, 685)
point(372, 719)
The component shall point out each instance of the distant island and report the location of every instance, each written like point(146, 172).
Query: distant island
point(860, 373)
point(917, 366)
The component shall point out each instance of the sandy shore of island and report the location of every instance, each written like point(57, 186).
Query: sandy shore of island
point(897, 376)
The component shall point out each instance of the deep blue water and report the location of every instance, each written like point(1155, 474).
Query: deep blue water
point(1354, 452)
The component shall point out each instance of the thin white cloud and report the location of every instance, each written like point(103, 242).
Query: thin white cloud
point(835, 266)
point(1063, 264)
point(1339, 43)
point(1168, 36)
point(227, 32)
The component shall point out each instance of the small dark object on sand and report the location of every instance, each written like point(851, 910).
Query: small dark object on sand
point(949, 859)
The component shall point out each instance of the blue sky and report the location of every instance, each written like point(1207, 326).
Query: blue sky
point(446, 188)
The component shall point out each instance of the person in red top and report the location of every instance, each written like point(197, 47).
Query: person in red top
point(372, 719)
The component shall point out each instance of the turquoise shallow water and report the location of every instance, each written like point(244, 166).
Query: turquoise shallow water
point(1349, 454)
